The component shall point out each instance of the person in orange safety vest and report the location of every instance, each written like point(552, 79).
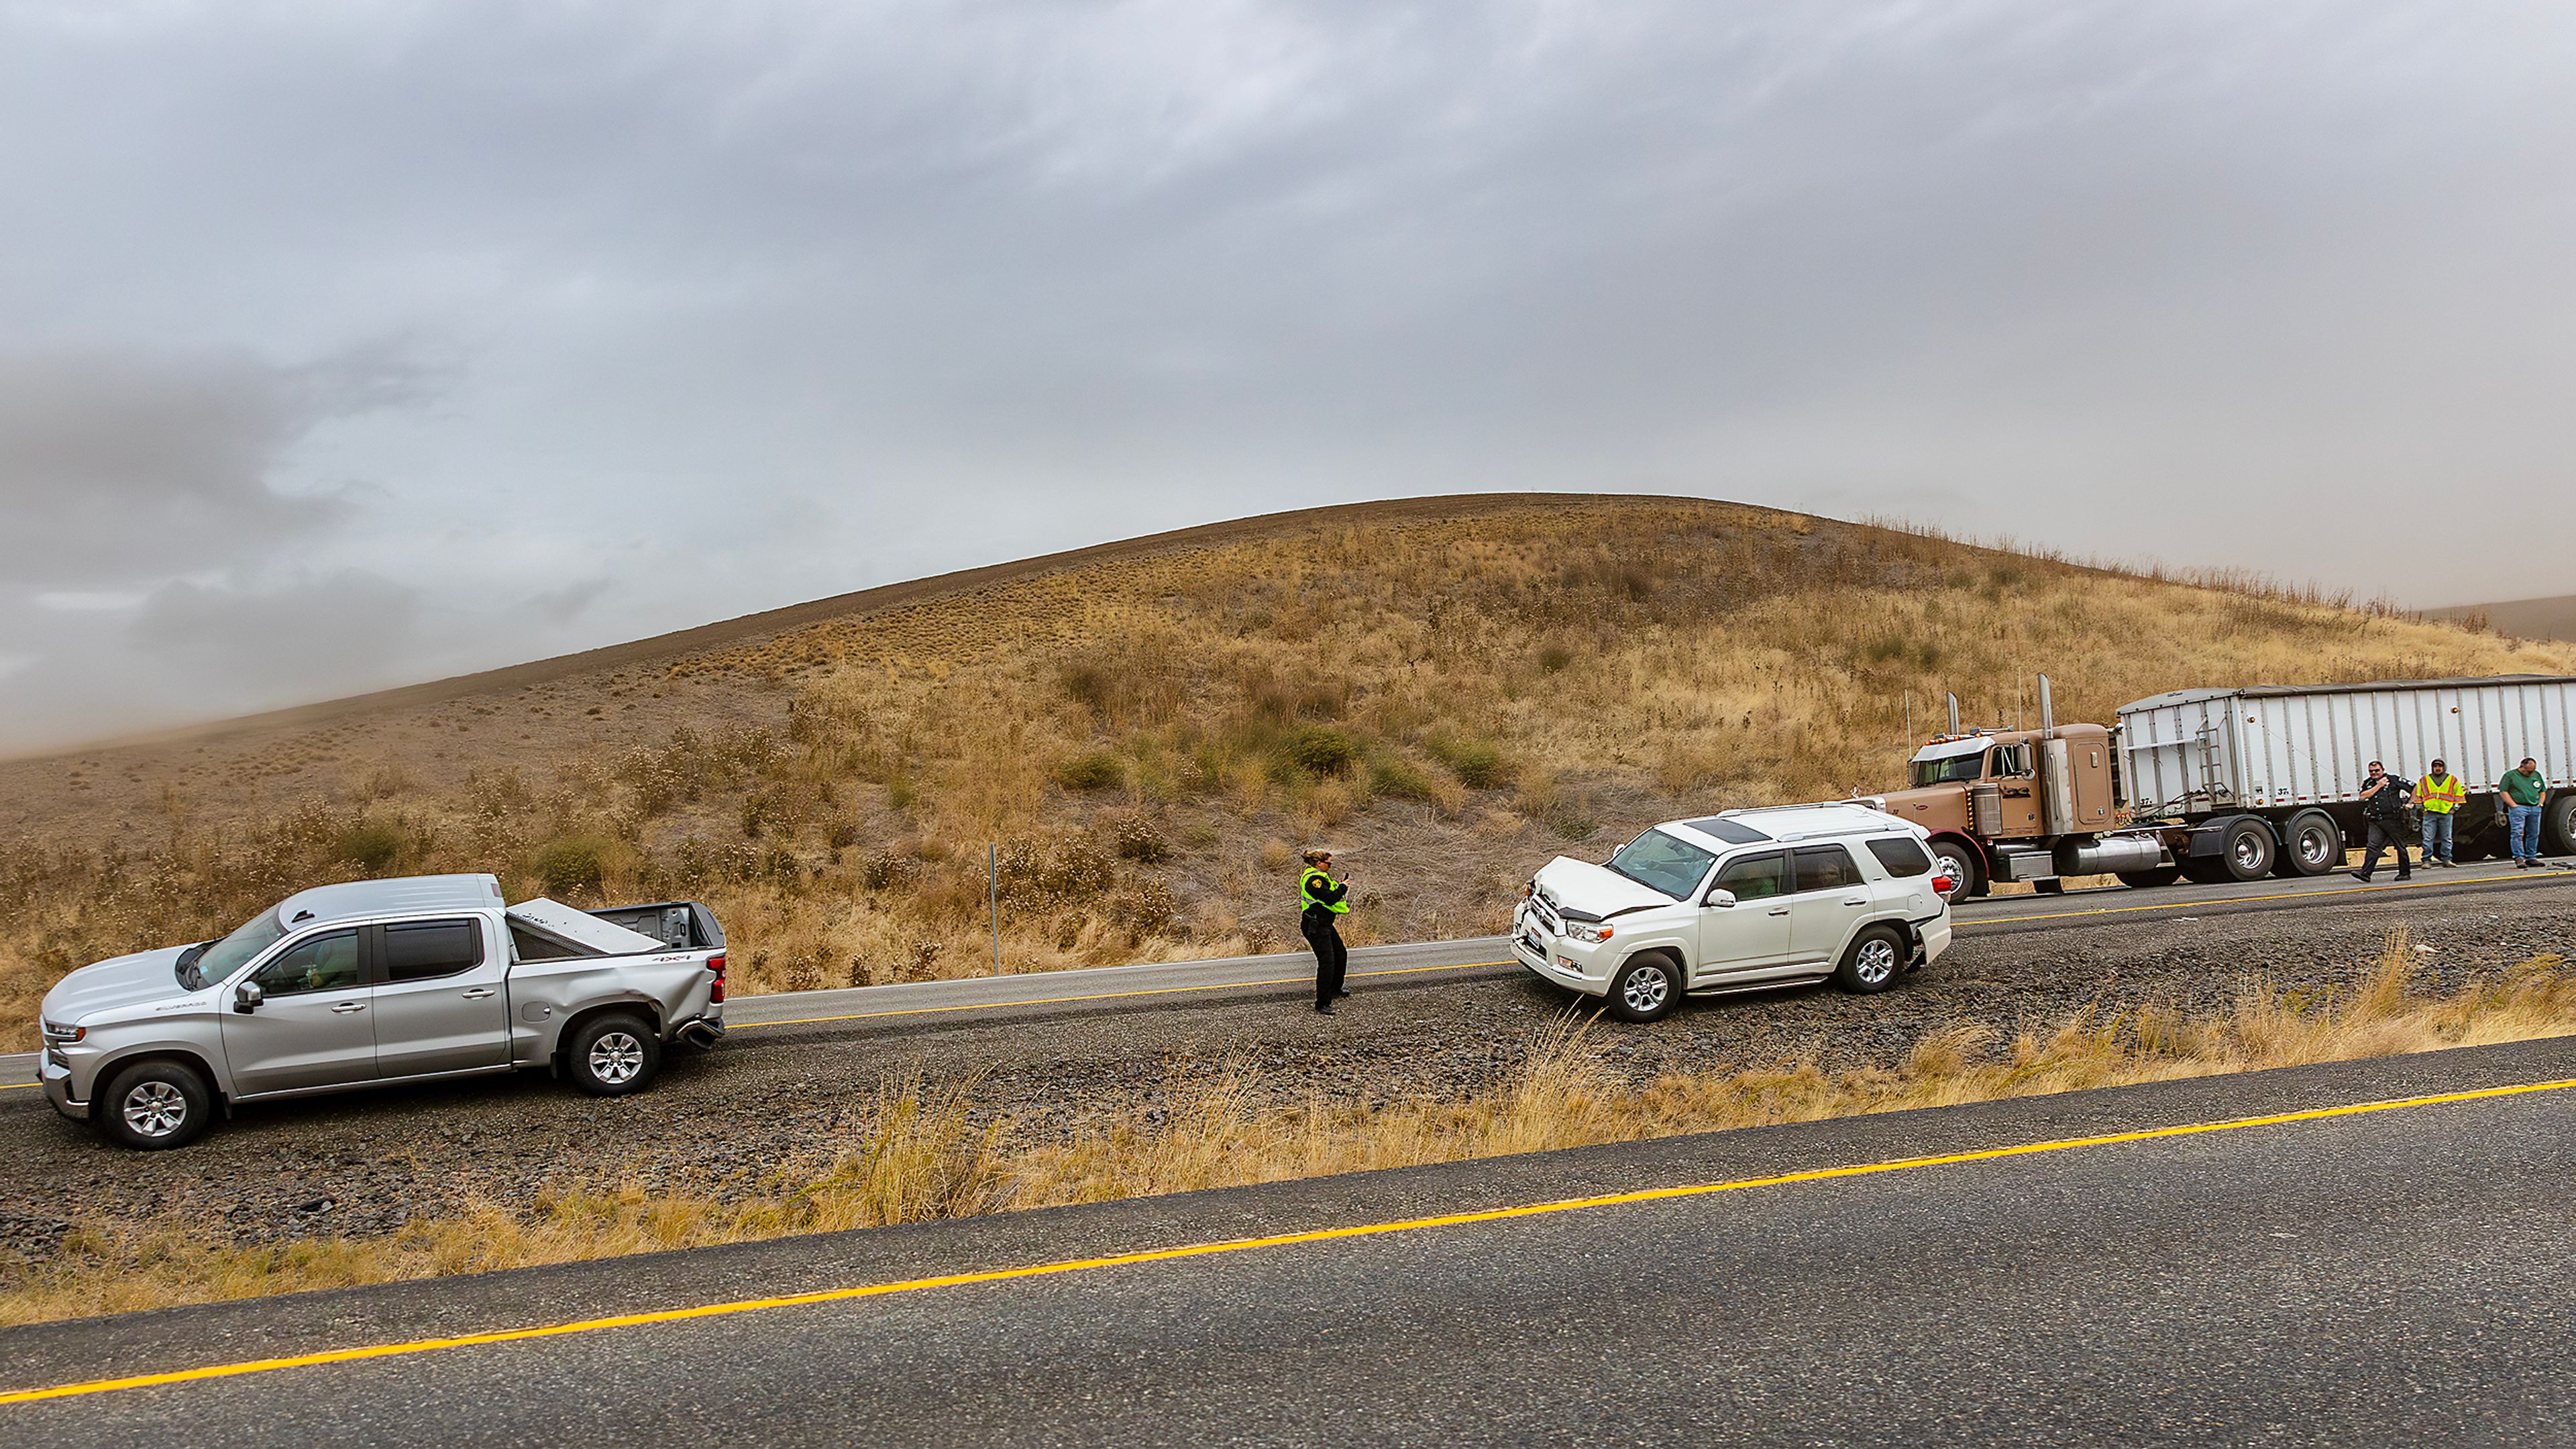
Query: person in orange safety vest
point(2441, 794)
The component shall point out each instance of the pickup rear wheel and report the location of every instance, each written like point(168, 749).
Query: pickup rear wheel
point(1647, 988)
point(1872, 961)
point(613, 1054)
point(154, 1105)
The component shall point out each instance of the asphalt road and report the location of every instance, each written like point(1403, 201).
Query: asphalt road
point(2133, 1266)
point(1056, 992)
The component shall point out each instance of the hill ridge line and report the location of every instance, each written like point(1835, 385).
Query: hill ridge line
point(675, 643)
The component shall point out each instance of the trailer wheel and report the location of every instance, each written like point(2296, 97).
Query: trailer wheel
point(2558, 825)
point(2247, 850)
point(2311, 844)
point(1960, 863)
point(2163, 875)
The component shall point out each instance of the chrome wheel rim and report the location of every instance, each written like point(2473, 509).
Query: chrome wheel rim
point(154, 1109)
point(1957, 867)
point(1645, 989)
point(1876, 961)
point(2315, 846)
point(2249, 851)
point(616, 1058)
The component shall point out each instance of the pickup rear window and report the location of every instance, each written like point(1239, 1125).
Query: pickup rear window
point(423, 950)
point(1902, 855)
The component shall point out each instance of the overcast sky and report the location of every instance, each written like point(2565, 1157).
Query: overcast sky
point(345, 344)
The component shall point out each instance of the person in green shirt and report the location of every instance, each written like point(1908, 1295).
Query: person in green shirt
point(2524, 791)
point(1325, 901)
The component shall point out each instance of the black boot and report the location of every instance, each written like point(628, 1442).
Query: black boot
point(1325, 1007)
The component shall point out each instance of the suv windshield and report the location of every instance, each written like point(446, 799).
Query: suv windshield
point(1956, 767)
point(1662, 862)
point(201, 969)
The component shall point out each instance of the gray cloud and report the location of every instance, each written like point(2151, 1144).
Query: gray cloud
point(732, 308)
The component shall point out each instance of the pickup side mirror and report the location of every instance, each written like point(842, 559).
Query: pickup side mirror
point(247, 997)
point(1720, 897)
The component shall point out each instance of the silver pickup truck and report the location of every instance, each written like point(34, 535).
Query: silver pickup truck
point(373, 983)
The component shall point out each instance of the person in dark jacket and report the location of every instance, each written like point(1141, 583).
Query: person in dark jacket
point(1325, 901)
point(2383, 805)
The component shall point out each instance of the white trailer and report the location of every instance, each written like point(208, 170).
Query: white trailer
point(2293, 756)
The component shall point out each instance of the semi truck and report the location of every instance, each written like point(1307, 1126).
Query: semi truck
point(2230, 784)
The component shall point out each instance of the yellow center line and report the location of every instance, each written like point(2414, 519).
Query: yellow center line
point(1109, 995)
point(1243, 1245)
point(2238, 900)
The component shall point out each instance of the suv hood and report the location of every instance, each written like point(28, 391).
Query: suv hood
point(117, 981)
point(1595, 890)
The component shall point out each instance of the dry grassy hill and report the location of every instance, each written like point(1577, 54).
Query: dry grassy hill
point(1450, 690)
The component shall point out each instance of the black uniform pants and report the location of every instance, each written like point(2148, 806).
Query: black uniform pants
point(2386, 835)
point(1332, 958)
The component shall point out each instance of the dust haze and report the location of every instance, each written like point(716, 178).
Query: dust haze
point(347, 346)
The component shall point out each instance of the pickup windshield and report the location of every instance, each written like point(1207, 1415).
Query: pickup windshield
point(1956, 767)
point(1662, 862)
point(217, 961)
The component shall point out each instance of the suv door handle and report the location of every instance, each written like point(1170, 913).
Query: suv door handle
point(1855, 900)
point(345, 1007)
point(1779, 910)
point(478, 993)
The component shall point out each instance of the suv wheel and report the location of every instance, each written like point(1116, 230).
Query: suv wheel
point(1646, 989)
point(153, 1105)
point(613, 1054)
point(1873, 961)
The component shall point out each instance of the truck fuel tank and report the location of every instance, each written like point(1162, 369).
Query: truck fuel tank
point(2109, 856)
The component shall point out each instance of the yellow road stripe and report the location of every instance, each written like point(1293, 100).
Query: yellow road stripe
point(1240, 1245)
point(2239, 900)
point(1110, 995)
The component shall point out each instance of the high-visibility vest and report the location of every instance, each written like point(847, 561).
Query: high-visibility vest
point(1306, 892)
point(2442, 796)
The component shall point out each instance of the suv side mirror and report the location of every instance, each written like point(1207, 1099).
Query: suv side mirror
point(1720, 897)
point(247, 997)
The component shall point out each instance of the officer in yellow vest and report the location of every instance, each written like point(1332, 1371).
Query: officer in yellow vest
point(1326, 901)
point(2441, 794)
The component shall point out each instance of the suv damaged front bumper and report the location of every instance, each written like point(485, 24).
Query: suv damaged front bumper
point(1567, 963)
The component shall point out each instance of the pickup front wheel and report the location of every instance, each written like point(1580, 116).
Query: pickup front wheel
point(154, 1105)
point(613, 1054)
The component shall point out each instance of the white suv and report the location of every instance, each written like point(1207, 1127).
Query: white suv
point(1738, 901)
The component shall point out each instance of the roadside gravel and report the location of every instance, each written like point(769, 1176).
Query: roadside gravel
point(724, 1120)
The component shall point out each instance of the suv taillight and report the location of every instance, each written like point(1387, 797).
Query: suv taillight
point(715, 963)
point(1943, 882)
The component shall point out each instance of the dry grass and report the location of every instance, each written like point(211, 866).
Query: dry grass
point(920, 1153)
point(1458, 698)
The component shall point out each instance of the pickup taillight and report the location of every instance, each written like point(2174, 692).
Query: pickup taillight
point(715, 963)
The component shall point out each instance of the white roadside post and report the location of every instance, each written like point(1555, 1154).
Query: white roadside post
point(993, 896)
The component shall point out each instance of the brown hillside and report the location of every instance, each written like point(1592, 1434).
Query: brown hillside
point(1450, 689)
point(2519, 618)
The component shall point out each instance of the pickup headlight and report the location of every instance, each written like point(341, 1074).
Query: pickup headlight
point(57, 1034)
point(1587, 931)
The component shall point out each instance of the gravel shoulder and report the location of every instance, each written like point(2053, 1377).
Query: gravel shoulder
point(368, 1163)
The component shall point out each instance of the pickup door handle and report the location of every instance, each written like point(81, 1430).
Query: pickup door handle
point(345, 1007)
point(478, 993)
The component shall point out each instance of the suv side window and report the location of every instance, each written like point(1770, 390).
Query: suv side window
point(1903, 855)
point(1826, 868)
point(1754, 877)
point(423, 950)
point(328, 962)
